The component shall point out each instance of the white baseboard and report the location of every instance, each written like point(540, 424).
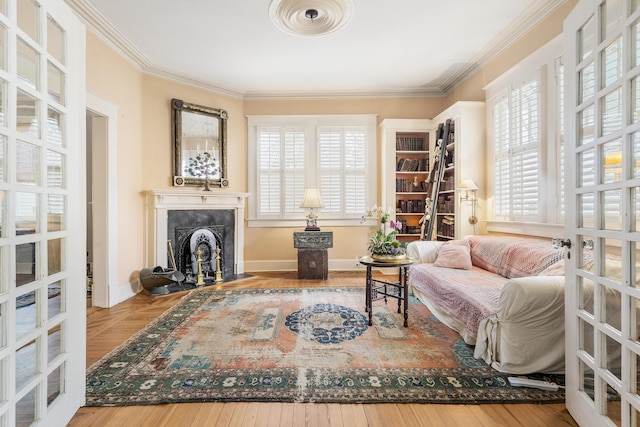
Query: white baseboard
point(120, 293)
point(292, 265)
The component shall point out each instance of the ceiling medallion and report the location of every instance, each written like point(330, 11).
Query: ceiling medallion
point(310, 17)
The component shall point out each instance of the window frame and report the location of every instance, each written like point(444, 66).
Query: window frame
point(544, 63)
point(311, 125)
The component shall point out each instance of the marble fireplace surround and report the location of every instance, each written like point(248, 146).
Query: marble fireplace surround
point(160, 202)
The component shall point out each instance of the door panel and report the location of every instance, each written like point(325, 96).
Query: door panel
point(42, 298)
point(602, 50)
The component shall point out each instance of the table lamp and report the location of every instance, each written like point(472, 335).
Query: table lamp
point(311, 200)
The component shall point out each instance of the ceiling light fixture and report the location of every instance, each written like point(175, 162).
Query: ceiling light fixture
point(311, 14)
point(310, 17)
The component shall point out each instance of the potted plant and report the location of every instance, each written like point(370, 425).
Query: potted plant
point(383, 245)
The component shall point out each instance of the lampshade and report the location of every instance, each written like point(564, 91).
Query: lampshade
point(468, 184)
point(311, 198)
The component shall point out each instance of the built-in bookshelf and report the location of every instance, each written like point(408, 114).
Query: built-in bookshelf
point(465, 159)
point(406, 146)
point(446, 199)
point(405, 173)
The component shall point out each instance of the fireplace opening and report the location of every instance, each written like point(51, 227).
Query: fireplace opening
point(208, 240)
point(211, 232)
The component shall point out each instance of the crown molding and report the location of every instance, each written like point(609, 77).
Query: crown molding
point(433, 92)
point(102, 28)
point(535, 13)
point(110, 35)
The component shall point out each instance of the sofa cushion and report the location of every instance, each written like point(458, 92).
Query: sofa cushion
point(529, 258)
point(487, 252)
point(513, 257)
point(454, 254)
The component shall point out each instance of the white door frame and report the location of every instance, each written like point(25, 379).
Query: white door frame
point(104, 116)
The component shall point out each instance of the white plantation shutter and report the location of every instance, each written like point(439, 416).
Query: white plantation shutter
point(524, 184)
point(342, 170)
point(282, 170)
point(525, 159)
point(355, 166)
point(269, 176)
point(516, 144)
point(330, 157)
point(500, 112)
point(294, 165)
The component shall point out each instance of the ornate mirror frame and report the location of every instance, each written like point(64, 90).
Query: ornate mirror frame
point(199, 142)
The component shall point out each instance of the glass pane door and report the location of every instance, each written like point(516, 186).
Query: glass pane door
point(41, 139)
point(602, 295)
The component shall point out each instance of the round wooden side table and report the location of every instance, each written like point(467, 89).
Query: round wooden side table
point(377, 289)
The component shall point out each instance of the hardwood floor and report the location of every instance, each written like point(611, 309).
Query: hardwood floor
point(108, 328)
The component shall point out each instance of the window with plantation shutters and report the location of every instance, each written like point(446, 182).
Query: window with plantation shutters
point(290, 153)
point(526, 143)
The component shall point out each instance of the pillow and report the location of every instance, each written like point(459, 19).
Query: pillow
point(425, 251)
point(454, 254)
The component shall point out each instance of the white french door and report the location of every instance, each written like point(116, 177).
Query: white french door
point(42, 236)
point(602, 175)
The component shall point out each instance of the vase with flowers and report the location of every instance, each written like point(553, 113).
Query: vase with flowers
point(383, 245)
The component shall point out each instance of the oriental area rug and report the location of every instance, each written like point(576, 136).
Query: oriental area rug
point(298, 345)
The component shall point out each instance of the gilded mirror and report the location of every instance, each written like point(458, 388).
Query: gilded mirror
point(200, 145)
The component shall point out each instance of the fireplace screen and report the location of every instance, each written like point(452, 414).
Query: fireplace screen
point(208, 231)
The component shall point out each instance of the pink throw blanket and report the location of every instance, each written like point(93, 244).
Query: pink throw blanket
point(465, 295)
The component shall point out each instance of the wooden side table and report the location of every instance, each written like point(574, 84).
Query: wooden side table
point(313, 260)
point(377, 289)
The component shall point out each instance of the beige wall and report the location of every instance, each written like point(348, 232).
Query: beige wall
point(114, 79)
point(145, 143)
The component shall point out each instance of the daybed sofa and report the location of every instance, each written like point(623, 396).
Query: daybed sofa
point(504, 295)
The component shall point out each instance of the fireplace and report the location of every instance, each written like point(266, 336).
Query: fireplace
point(191, 220)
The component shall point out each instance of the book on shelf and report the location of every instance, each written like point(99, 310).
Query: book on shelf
point(410, 206)
point(411, 165)
point(408, 186)
point(410, 143)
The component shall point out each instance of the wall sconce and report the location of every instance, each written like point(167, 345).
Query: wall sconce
point(470, 195)
point(311, 200)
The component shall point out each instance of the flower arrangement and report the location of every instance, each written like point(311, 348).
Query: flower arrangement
point(384, 242)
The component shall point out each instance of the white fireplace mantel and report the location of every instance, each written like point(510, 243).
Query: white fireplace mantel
point(160, 202)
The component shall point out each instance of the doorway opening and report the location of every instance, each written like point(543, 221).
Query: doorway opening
point(102, 263)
